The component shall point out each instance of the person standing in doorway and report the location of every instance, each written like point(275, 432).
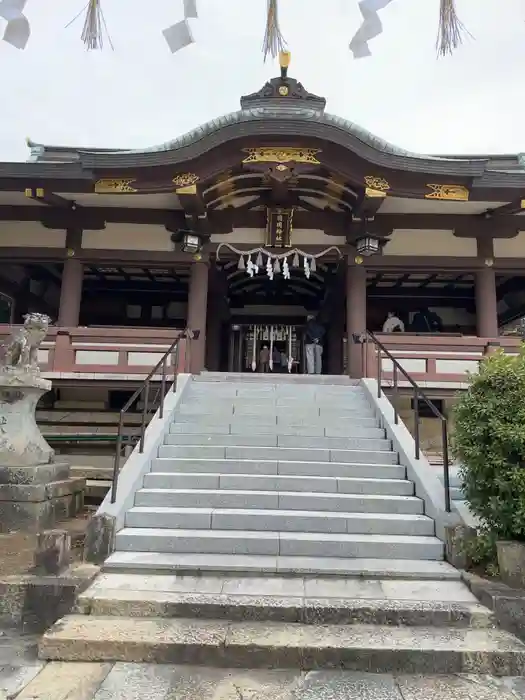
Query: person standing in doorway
point(314, 349)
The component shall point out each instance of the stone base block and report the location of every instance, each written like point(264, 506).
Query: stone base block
point(35, 507)
point(40, 474)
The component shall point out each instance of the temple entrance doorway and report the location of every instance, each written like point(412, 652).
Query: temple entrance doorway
point(268, 319)
point(267, 347)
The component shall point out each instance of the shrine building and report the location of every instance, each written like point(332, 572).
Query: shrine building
point(247, 225)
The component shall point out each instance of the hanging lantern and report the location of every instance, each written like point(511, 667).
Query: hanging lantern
point(367, 246)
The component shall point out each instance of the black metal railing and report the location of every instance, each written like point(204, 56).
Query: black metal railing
point(418, 395)
point(151, 402)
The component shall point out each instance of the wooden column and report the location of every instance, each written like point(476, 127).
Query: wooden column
point(71, 292)
point(355, 315)
point(197, 306)
point(486, 293)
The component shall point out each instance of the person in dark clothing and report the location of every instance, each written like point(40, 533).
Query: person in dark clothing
point(314, 348)
point(426, 321)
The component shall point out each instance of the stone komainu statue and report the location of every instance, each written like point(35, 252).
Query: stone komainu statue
point(22, 349)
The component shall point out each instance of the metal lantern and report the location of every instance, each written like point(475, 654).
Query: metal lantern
point(367, 245)
point(191, 242)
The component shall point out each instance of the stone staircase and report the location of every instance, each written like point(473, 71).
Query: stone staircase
point(276, 528)
point(274, 471)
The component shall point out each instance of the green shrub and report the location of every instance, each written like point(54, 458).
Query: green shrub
point(489, 442)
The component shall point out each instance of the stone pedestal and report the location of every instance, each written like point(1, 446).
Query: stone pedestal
point(35, 491)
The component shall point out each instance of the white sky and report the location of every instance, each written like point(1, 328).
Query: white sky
point(140, 94)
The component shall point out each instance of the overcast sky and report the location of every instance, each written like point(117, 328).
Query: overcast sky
point(140, 94)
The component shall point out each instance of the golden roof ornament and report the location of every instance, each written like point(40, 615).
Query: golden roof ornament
point(179, 35)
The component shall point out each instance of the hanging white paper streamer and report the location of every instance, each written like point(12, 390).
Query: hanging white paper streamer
point(17, 31)
point(286, 269)
point(179, 35)
point(369, 29)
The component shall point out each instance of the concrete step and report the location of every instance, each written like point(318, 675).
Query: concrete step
point(350, 430)
point(277, 500)
point(224, 565)
point(275, 379)
point(308, 410)
point(326, 469)
point(278, 543)
point(280, 521)
point(273, 482)
point(282, 454)
point(242, 422)
point(371, 648)
point(299, 441)
point(319, 600)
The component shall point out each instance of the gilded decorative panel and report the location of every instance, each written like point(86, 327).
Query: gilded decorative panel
point(454, 193)
point(112, 186)
point(282, 155)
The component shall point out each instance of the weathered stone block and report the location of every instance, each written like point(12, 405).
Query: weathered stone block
point(53, 551)
point(100, 539)
point(511, 561)
point(34, 507)
point(39, 474)
point(457, 538)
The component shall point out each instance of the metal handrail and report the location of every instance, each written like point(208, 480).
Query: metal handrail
point(144, 389)
point(419, 394)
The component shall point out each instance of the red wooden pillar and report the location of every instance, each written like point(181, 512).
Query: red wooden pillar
point(70, 293)
point(197, 307)
point(355, 316)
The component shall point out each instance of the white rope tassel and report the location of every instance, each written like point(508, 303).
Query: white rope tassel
point(306, 268)
point(179, 35)
point(269, 268)
point(251, 269)
point(370, 28)
point(18, 31)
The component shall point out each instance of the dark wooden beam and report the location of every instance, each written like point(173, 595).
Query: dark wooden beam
point(334, 223)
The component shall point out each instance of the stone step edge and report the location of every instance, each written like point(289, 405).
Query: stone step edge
point(284, 645)
point(306, 610)
point(293, 477)
point(177, 510)
point(287, 566)
point(314, 494)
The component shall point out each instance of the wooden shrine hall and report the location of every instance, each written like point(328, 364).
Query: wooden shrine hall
point(248, 225)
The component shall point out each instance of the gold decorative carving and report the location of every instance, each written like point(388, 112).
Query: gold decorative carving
point(188, 189)
point(454, 193)
point(371, 194)
point(283, 90)
point(376, 184)
point(114, 187)
point(282, 155)
point(185, 179)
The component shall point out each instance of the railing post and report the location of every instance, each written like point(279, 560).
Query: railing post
point(379, 371)
point(416, 426)
point(396, 414)
point(446, 472)
point(116, 463)
point(162, 389)
point(145, 407)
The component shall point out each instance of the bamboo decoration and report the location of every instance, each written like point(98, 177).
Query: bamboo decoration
point(451, 29)
point(273, 41)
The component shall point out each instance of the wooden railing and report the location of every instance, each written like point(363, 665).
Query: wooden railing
point(106, 351)
point(436, 359)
